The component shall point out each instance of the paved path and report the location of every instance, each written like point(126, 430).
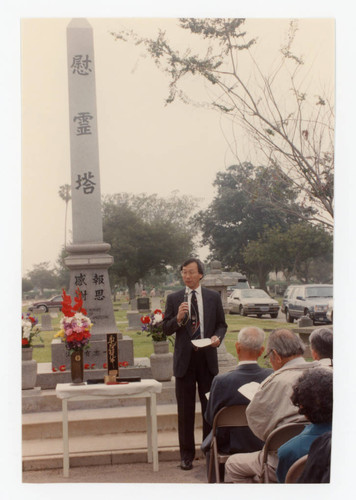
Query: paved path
point(169, 472)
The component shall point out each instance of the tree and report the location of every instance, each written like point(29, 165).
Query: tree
point(298, 251)
point(65, 193)
point(243, 209)
point(306, 245)
point(62, 271)
point(42, 277)
point(292, 129)
point(142, 240)
point(26, 285)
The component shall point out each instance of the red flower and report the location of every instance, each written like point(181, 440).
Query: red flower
point(79, 302)
point(158, 311)
point(25, 342)
point(123, 363)
point(62, 368)
point(105, 365)
point(145, 319)
point(92, 366)
point(66, 304)
point(54, 369)
point(86, 366)
point(67, 308)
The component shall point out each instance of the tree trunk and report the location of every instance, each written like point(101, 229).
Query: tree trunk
point(131, 287)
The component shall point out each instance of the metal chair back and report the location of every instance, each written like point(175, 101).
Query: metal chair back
point(229, 416)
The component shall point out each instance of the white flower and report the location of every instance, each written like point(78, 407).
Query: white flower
point(157, 318)
point(26, 329)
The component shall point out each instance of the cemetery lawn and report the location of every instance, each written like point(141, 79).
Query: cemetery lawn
point(143, 346)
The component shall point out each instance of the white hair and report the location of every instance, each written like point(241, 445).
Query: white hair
point(251, 338)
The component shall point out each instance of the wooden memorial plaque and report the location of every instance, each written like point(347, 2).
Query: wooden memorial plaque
point(112, 351)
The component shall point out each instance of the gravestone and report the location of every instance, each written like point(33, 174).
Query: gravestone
point(143, 304)
point(134, 319)
point(155, 303)
point(46, 322)
point(88, 259)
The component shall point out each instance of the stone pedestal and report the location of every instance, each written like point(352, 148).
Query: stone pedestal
point(29, 369)
point(304, 329)
point(161, 361)
point(226, 361)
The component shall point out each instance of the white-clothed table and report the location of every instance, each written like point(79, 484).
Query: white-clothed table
point(147, 388)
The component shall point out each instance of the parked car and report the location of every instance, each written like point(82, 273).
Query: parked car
point(252, 301)
point(240, 285)
point(286, 297)
point(330, 311)
point(309, 300)
point(46, 305)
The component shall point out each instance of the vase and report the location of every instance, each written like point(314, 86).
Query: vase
point(77, 366)
point(29, 368)
point(161, 361)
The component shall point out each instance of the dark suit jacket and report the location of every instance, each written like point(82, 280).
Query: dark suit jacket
point(214, 324)
point(224, 392)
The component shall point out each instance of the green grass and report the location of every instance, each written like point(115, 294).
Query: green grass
point(143, 346)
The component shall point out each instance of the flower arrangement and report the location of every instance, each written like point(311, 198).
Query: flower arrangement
point(153, 326)
point(75, 325)
point(30, 330)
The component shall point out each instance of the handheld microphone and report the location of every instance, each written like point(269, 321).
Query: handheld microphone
point(185, 300)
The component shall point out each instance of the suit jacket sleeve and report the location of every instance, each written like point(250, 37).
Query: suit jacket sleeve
point(221, 325)
point(170, 324)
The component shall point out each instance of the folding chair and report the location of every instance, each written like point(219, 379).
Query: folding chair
point(229, 416)
point(276, 438)
point(296, 469)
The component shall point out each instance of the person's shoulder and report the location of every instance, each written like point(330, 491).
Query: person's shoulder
point(176, 294)
point(209, 292)
point(225, 378)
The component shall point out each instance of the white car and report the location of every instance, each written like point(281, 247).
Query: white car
point(330, 311)
point(252, 301)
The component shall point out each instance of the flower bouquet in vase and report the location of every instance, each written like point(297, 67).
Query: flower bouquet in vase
point(30, 331)
point(75, 332)
point(161, 359)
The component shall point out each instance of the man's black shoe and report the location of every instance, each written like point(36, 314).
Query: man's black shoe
point(186, 465)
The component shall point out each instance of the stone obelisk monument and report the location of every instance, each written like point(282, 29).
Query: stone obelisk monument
point(88, 260)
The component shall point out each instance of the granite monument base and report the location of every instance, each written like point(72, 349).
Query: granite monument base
point(96, 354)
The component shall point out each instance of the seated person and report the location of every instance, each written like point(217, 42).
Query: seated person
point(321, 345)
point(271, 406)
point(224, 392)
point(317, 467)
point(313, 395)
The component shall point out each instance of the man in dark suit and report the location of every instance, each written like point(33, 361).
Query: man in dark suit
point(224, 392)
point(193, 313)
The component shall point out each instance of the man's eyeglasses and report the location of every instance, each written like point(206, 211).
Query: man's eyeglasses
point(189, 273)
point(267, 354)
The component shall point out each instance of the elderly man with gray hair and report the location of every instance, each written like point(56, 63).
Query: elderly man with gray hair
point(321, 345)
point(224, 392)
point(271, 406)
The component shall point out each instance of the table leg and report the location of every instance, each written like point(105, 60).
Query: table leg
point(154, 432)
point(149, 429)
point(65, 438)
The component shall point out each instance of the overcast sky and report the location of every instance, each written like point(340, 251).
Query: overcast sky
point(144, 146)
